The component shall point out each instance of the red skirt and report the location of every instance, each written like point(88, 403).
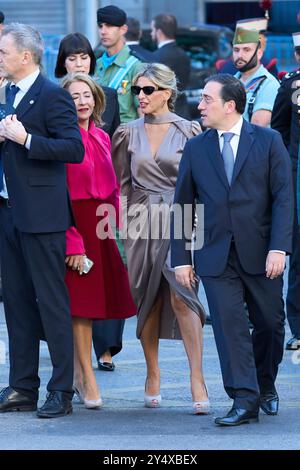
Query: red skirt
point(103, 293)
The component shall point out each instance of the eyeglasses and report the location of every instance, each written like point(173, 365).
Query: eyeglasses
point(208, 99)
point(147, 90)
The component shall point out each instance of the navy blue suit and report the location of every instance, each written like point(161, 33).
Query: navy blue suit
point(177, 59)
point(242, 222)
point(33, 227)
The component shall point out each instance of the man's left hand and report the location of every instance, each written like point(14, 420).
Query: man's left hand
point(275, 264)
point(13, 129)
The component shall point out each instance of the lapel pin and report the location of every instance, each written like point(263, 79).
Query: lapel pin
point(31, 102)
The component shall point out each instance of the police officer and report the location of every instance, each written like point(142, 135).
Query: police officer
point(117, 67)
point(261, 86)
point(286, 120)
point(261, 25)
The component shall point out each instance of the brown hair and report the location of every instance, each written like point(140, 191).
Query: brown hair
point(167, 24)
point(96, 90)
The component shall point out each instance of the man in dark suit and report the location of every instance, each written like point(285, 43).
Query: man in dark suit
point(241, 173)
point(163, 32)
point(36, 142)
point(111, 114)
point(133, 37)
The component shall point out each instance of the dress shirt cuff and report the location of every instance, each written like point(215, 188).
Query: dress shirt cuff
point(28, 141)
point(183, 266)
point(278, 251)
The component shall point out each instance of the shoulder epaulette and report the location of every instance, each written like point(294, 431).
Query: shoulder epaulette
point(292, 74)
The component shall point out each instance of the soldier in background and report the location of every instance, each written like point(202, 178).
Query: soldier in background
point(286, 120)
point(261, 87)
point(116, 68)
point(261, 25)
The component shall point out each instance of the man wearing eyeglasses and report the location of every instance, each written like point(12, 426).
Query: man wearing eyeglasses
point(241, 173)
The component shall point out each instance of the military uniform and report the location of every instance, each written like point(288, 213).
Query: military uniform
point(286, 113)
point(286, 120)
point(127, 102)
point(261, 90)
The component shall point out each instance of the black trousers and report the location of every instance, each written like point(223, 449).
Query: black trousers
point(107, 335)
point(293, 294)
point(249, 365)
point(36, 306)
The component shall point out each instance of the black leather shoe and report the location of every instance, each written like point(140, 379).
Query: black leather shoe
point(10, 400)
point(269, 403)
point(57, 404)
point(106, 366)
point(237, 416)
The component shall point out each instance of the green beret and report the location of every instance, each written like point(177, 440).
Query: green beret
point(245, 36)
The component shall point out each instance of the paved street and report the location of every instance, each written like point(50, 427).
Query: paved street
point(124, 423)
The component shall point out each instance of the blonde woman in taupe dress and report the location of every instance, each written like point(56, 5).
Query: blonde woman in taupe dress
point(146, 154)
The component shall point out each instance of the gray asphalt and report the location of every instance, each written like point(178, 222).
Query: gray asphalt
point(125, 424)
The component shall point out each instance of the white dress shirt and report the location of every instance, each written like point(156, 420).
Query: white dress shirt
point(24, 86)
point(234, 142)
point(163, 43)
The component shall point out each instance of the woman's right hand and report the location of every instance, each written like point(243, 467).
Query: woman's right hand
point(75, 262)
point(185, 276)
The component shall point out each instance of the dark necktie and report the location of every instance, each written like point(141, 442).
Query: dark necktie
point(10, 94)
point(227, 155)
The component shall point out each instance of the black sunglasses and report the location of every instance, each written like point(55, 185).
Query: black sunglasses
point(147, 90)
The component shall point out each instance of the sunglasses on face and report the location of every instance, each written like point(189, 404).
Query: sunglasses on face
point(147, 90)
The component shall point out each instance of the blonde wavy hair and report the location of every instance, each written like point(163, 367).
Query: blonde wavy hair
point(163, 77)
point(96, 90)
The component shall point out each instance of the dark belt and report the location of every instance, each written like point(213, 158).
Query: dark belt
point(5, 201)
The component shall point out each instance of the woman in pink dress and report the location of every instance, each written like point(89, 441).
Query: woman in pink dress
point(92, 184)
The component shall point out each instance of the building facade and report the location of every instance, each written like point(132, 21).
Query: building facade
point(60, 17)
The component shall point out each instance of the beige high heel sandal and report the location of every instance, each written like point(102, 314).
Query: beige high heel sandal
point(201, 407)
point(89, 404)
point(151, 401)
